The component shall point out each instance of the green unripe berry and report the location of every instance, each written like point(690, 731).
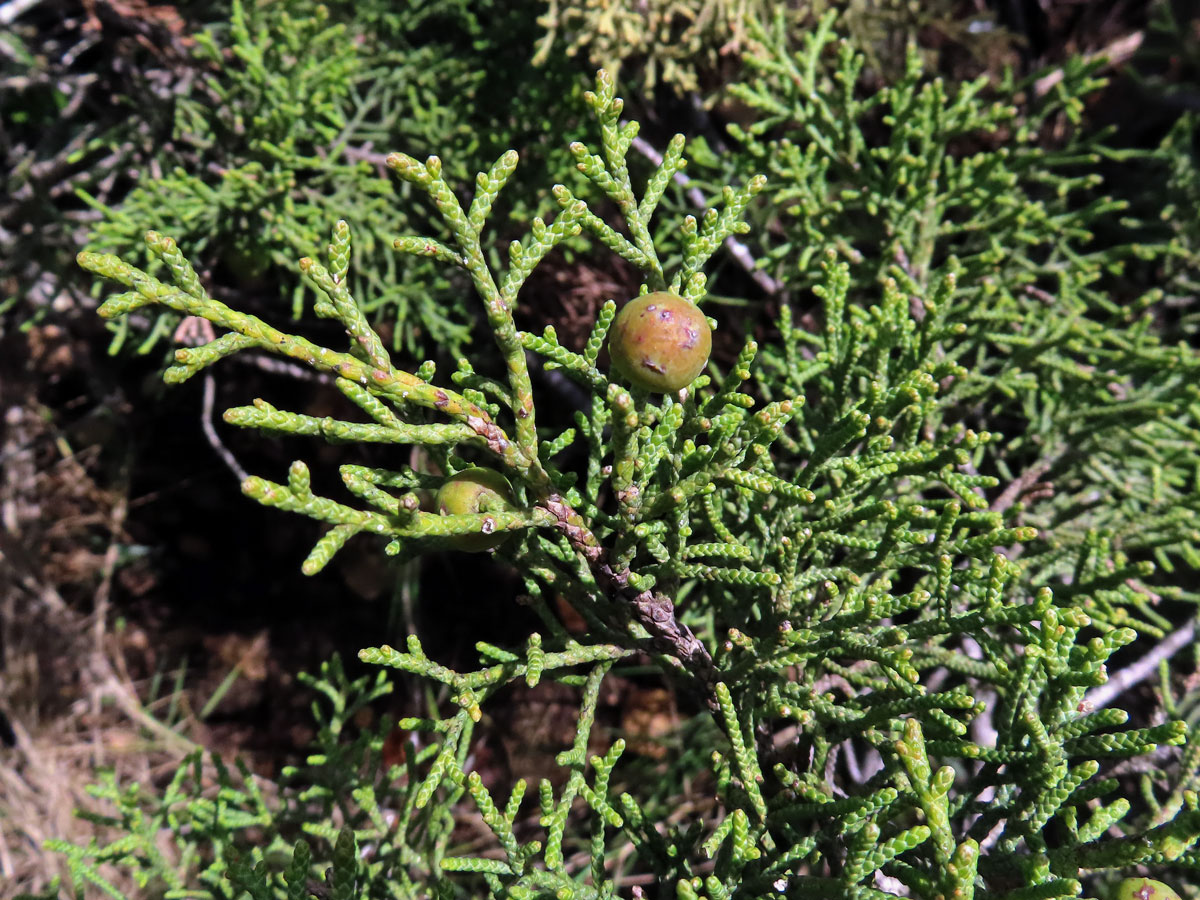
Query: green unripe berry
point(472, 492)
point(660, 342)
point(1144, 889)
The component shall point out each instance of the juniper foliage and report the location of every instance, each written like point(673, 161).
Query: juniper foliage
point(833, 544)
point(673, 43)
point(1057, 331)
point(692, 47)
point(275, 139)
point(62, 131)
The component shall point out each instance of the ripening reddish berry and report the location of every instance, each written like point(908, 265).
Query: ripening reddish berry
point(660, 342)
point(1144, 889)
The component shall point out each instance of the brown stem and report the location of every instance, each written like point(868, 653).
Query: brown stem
point(1027, 480)
point(654, 611)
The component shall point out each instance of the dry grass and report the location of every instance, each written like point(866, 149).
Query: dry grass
point(73, 711)
point(63, 684)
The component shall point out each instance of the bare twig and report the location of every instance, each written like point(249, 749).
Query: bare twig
point(14, 9)
point(281, 367)
point(739, 251)
point(1144, 668)
point(367, 152)
point(1115, 55)
point(1027, 480)
point(210, 431)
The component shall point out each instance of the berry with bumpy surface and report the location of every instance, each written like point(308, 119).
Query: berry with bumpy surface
point(1144, 889)
point(660, 342)
point(471, 492)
